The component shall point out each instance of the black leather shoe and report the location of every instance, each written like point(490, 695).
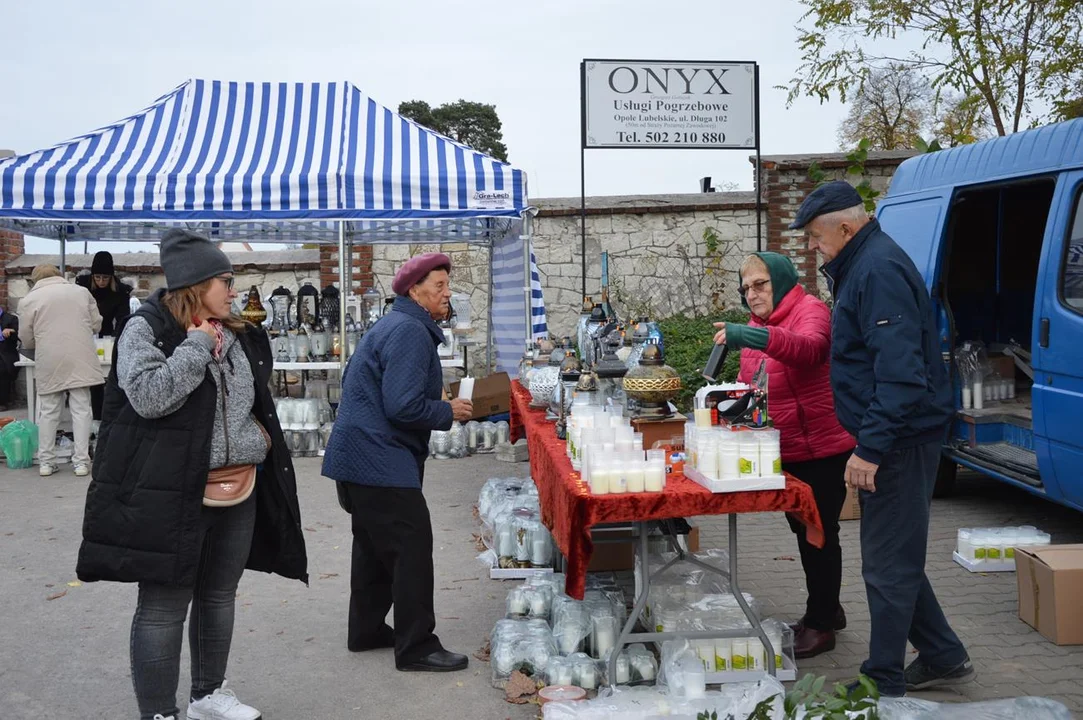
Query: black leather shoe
point(839, 624)
point(810, 643)
point(439, 661)
point(384, 638)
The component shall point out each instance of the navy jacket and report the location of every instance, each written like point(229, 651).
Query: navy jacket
point(390, 402)
point(890, 385)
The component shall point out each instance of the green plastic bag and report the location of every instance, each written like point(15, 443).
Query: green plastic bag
point(19, 441)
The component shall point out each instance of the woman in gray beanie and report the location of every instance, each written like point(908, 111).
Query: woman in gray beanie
point(193, 481)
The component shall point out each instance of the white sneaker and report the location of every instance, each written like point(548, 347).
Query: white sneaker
point(222, 704)
point(82, 470)
point(45, 469)
point(160, 717)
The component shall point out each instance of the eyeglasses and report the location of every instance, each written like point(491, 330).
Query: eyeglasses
point(757, 286)
point(102, 278)
point(228, 280)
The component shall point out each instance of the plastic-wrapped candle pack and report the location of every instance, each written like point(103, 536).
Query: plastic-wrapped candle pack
point(511, 525)
point(523, 645)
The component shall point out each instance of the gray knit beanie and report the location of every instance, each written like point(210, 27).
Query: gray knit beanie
point(188, 259)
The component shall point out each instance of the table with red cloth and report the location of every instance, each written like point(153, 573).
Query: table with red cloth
point(569, 510)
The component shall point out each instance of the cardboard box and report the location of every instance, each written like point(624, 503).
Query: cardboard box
point(612, 556)
point(492, 395)
point(851, 508)
point(660, 430)
point(1050, 584)
point(1003, 366)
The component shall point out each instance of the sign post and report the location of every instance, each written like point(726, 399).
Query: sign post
point(668, 105)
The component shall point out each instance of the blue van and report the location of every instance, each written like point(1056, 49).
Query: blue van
point(996, 229)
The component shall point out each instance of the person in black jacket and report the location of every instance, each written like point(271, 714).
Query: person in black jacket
point(892, 394)
point(9, 355)
point(113, 298)
point(188, 401)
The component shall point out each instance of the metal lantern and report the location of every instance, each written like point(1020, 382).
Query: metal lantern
point(330, 310)
point(652, 383)
point(569, 378)
point(610, 371)
point(253, 311)
point(281, 307)
point(308, 304)
point(545, 380)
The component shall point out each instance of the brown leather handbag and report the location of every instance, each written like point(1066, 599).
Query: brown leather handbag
point(233, 484)
point(230, 485)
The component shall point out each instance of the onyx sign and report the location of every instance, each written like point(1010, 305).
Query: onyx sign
point(654, 104)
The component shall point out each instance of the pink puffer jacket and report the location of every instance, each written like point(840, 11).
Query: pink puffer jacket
point(798, 377)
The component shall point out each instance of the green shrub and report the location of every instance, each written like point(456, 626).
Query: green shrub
point(689, 340)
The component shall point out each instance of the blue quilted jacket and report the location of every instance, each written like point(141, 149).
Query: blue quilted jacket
point(390, 402)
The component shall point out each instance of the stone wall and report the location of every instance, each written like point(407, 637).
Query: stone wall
point(659, 259)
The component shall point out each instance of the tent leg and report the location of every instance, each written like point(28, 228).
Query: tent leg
point(528, 232)
point(343, 289)
point(489, 328)
point(63, 254)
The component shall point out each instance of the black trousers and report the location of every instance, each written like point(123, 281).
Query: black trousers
point(392, 565)
point(8, 374)
point(894, 538)
point(97, 397)
point(823, 566)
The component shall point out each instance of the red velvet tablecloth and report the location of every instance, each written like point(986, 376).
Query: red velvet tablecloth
point(569, 510)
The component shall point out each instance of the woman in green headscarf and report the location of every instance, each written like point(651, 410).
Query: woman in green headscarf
point(791, 330)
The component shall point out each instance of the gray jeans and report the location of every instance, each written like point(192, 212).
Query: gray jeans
point(158, 625)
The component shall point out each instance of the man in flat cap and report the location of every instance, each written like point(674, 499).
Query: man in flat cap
point(892, 394)
point(391, 400)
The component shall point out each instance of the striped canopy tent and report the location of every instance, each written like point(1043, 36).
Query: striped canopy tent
point(272, 162)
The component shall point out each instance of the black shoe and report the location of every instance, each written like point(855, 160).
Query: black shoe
point(384, 638)
point(839, 624)
point(853, 686)
point(921, 676)
point(439, 661)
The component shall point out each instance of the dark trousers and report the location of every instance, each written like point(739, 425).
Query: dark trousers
point(158, 625)
point(8, 373)
point(894, 536)
point(392, 565)
point(823, 566)
point(97, 397)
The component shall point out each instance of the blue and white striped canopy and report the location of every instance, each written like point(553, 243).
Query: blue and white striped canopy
point(223, 156)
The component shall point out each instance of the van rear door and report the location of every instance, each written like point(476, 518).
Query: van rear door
point(1058, 346)
point(916, 223)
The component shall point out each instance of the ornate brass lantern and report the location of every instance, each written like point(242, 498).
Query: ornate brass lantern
point(652, 383)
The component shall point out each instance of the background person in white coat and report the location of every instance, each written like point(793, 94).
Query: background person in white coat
point(59, 322)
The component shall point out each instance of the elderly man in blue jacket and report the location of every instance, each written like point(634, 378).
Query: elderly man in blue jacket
point(391, 400)
point(892, 394)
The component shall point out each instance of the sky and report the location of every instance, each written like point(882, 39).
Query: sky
point(74, 66)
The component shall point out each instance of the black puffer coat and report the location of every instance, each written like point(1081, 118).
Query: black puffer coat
point(113, 305)
point(143, 506)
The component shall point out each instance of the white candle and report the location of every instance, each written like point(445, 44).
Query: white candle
point(750, 455)
point(624, 670)
point(967, 402)
point(770, 457)
point(979, 395)
point(755, 654)
point(599, 481)
point(739, 654)
point(618, 480)
point(654, 479)
point(646, 669)
point(517, 602)
point(722, 654)
point(540, 556)
point(775, 636)
point(604, 639)
point(561, 675)
point(505, 543)
point(588, 676)
point(537, 605)
point(569, 638)
point(635, 478)
point(466, 388)
point(703, 417)
point(705, 650)
point(708, 462)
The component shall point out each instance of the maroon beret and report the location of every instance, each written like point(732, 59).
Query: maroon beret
point(415, 269)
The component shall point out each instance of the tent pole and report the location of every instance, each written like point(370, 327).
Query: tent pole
point(63, 252)
point(528, 231)
point(489, 329)
point(343, 355)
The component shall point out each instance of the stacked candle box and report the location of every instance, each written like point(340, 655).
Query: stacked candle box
point(683, 583)
point(993, 549)
point(511, 525)
point(730, 453)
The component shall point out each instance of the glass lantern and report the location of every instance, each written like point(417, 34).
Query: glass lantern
point(544, 381)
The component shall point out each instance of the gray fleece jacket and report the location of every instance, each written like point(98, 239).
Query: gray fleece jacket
point(157, 386)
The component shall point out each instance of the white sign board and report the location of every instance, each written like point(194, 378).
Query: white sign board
point(660, 104)
point(490, 200)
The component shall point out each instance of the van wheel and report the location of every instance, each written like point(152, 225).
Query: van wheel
point(945, 478)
